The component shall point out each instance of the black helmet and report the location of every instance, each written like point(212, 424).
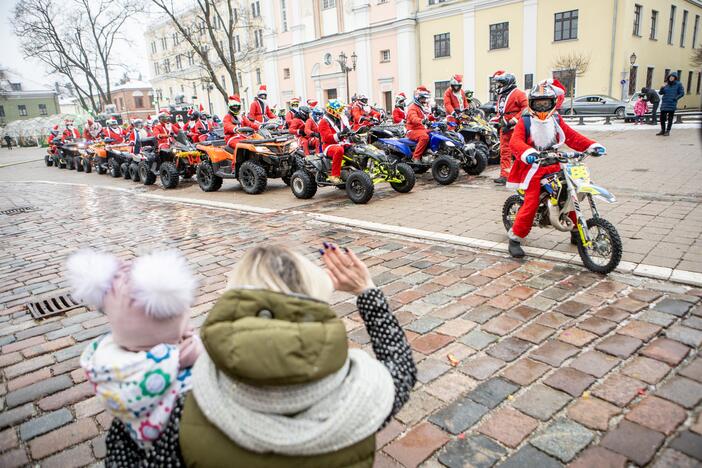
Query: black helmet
point(303, 112)
point(194, 115)
point(505, 82)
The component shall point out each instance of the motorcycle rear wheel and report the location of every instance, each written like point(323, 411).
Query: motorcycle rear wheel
point(606, 244)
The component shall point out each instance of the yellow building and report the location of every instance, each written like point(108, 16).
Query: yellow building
point(628, 43)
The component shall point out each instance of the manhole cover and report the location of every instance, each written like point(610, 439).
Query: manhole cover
point(20, 210)
point(50, 306)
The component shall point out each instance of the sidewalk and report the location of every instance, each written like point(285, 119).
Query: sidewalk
point(526, 363)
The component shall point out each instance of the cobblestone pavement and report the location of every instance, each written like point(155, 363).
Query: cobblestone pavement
point(658, 212)
point(521, 363)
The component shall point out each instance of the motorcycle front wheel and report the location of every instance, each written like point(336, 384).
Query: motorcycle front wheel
point(605, 253)
point(509, 210)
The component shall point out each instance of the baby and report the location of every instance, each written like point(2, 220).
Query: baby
point(143, 365)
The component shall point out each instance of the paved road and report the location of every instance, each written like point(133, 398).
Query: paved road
point(656, 180)
point(549, 364)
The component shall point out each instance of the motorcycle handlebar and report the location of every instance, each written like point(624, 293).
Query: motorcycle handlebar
point(546, 158)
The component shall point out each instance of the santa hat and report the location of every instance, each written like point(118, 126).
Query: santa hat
point(190, 112)
point(262, 90)
point(146, 302)
point(457, 78)
point(295, 99)
point(234, 99)
point(312, 102)
point(498, 73)
point(202, 109)
point(402, 94)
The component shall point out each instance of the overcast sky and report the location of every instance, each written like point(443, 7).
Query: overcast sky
point(34, 73)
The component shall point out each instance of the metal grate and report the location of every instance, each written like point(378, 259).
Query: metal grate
point(50, 306)
point(20, 210)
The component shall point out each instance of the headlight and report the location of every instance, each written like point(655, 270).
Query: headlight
point(449, 144)
point(261, 149)
point(293, 145)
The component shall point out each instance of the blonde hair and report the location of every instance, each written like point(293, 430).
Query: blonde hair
point(281, 269)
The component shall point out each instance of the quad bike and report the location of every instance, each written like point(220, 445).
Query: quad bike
point(138, 156)
point(69, 154)
point(598, 241)
point(170, 164)
point(107, 157)
point(259, 157)
point(363, 166)
point(444, 167)
point(469, 156)
point(475, 129)
point(51, 156)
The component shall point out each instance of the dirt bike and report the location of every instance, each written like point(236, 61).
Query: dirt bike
point(363, 166)
point(475, 129)
point(599, 246)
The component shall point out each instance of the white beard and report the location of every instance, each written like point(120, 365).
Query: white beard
point(544, 133)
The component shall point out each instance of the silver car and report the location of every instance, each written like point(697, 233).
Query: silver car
point(630, 106)
point(595, 104)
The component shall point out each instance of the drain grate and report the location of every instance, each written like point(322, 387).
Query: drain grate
point(20, 210)
point(639, 169)
point(51, 306)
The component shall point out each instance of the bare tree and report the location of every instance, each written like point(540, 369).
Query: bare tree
point(217, 25)
point(74, 39)
point(575, 65)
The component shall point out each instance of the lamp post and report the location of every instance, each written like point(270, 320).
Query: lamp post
point(207, 85)
point(632, 59)
point(342, 59)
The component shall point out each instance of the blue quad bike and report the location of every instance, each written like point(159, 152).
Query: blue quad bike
point(450, 150)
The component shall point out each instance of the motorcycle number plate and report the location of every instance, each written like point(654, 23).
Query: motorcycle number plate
point(579, 172)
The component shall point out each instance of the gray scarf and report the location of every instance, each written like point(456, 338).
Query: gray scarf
point(309, 419)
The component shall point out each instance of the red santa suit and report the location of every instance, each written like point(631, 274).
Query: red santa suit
point(398, 115)
point(117, 134)
point(259, 109)
point(163, 133)
point(416, 130)
point(332, 144)
point(509, 107)
point(312, 131)
point(70, 134)
point(93, 132)
point(542, 136)
point(299, 128)
point(359, 112)
point(455, 101)
point(198, 130)
point(231, 123)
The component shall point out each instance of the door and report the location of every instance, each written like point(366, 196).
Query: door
point(633, 72)
point(387, 100)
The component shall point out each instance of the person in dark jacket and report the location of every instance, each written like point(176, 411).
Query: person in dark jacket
point(652, 96)
point(670, 93)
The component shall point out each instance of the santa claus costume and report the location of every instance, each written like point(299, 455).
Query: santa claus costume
point(70, 132)
point(290, 114)
point(92, 130)
point(398, 112)
point(305, 133)
point(259, 110)
point(539, 129)
point(165, 130)
point(233, 120)
point(455, 99)
point(334, 128)
point(511, 102)
point(114, 131)
point(361, 112)
point(417, 115)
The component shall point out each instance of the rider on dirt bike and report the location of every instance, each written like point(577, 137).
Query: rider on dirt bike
point(398, 112)
point(232, 121)
point(538, 130)
point(113, 131)
point(361, 112)
point(334, 129)
point(417, 117)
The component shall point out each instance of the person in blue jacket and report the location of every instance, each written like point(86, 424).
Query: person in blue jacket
point(670, 93)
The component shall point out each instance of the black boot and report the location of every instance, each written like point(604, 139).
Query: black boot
point(515, 249)
point(500, 181)
point(660, 133)
point(574, 237)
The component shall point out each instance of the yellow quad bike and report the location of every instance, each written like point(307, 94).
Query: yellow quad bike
point(475, 129)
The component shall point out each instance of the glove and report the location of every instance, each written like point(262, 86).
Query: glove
point(344, 133)
point(597, 149)
point(202, 131)
point(315, 135)
point(504, 123)
point(425, 122)
point(531, 159)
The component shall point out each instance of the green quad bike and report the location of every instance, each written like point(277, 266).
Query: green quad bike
point(363, 166)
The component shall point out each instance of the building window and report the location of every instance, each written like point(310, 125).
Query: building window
point(331, 93)
point(22, 110)
point(139, 102)
point(258, 76)
point(167, 65)
point(258, 38)
point(671, 24)
point(164, 43)
point(633, 75)
point(637, 20)
point(499, 36)
point(492, 87)
point(286, 73)
point(565, 25)
point(157, 69)
point(170, 91)
point(699, 79)
point(237, 44)
point(327, 4)
point(191, 58)
point(255, 9)
point(654, 25)
point(385, 55)
point(175, 39)
point(665, 74)
point(436, 2)
point(179, 62)
point(649, 77)
point(283, 16)
point(2, 108)
point(567, 79)
point(442, 45)
point(688, 85)
point(440, 88)
point(153, 47)
point(42, 107)
point(683, 29)
point(16, 86)
point(694, 31)
point(528, 80)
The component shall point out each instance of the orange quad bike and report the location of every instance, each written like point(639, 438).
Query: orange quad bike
point(255, 159)
point(109, 158)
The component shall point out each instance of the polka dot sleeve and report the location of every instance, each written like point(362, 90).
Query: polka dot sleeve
point(389, 344)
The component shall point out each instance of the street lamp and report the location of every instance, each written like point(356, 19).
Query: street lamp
point(632, 58)
point(346, 69)
point(207, 85)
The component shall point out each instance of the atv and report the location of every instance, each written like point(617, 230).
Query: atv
point(107, 157)
point(140, 155)
point(470, 156)
point(475, 129)
point(259, 157)
point(363, 166)
point(179, 160)
point(69, 154)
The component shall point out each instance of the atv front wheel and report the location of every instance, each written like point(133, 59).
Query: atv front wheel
point(303, 185)
point(445, 170)
point(605, 253)
point(100, 168)
point(48, 161)
point(169, 175)
point(113, 168)
point(79, 165)
point(124, 169)
point(509, 210)
point(408, 179)
point(252, 178)
point(359, 187)
point(87, 167)
point(207, 179)
point(287, 179)
point(147, 177)
point(134, 172)
point(481, 163)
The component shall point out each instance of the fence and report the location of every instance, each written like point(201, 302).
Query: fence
point(680, 117)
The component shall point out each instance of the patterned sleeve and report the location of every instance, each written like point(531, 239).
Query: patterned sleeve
point(389, 344)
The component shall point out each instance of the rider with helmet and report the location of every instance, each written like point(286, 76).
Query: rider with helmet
point(199, 127)
point(92, 129)
point(398, 112)
point(362, 112)
point(164, 130)
point(418, 114)
point(114, 131)
point(511, 102)
point(539, 129)
point(334, 128)
point(292, 109)
point(259, 110)
point(455, 99)
point(305, 133)
point(138, 134)
point(233, 120)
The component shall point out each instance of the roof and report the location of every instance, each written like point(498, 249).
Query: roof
point(132, 84)
point(29, 87)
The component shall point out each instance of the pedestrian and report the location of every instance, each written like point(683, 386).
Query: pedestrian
point(640, 108)
point(8, 140)
point(670, 92)
point(141, 369)
point(277, 385)
point(655, 100)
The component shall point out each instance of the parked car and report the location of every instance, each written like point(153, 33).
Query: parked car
point(630, 106)
point(595, 104)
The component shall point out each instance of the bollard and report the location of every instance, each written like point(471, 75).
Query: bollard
point(608, 121)
point(581, 120)
point(678, 119)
